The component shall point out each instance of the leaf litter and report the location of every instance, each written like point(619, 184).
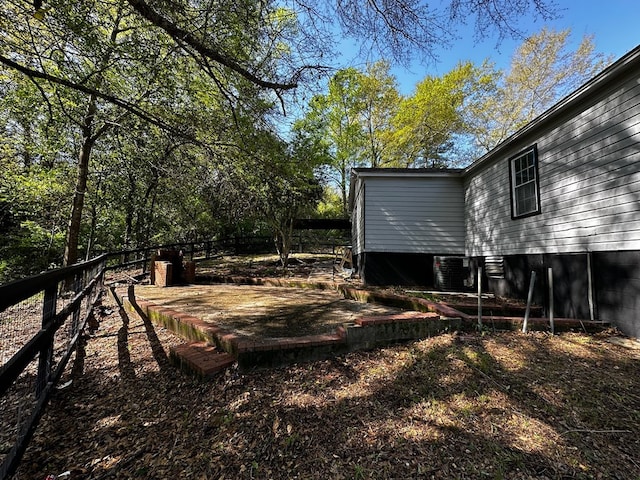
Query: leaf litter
point(500, 405)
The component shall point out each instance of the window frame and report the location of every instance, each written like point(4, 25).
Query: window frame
point(512, 187)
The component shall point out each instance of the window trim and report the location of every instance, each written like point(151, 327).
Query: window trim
point(532, 149)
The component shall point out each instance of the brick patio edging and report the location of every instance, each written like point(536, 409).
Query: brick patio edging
point(250, 352)
point(270, 282)
point(469, 322)
point(466, 322)
point(425, 319)
point(201, 359)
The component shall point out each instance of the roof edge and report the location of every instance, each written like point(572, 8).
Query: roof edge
point(617, 68)
point(400, 172)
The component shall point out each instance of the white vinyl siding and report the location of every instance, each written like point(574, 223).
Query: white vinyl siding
point(589, 177)
point(414, 215)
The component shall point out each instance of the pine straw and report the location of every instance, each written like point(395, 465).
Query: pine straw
point(502, 405)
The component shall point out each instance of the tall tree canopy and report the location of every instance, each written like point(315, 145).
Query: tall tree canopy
point(448, 120)
point(427, 122)
point(109, 91)
point(276, 47)
point(137, 101)
point(543, 69)
point(334, 120)
point(380, 101)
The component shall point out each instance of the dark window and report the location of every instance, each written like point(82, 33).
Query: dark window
point(525, 188)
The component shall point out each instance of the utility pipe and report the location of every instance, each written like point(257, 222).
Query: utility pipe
point(479, 298)
point(550, 276)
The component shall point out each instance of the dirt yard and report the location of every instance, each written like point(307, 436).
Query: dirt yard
point(472, 406)
point(468, 407)
point(302, 266)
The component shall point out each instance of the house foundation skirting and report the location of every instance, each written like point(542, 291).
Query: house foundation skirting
point(390, 268)
point(602, 285)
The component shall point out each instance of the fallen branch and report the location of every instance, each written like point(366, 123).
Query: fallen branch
point(504, 388)
point(583, 430)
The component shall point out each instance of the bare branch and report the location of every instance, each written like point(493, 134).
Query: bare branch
point(130, 107)
point(180, 34)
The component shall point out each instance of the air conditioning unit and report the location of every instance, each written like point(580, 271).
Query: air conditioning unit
point(448, 273)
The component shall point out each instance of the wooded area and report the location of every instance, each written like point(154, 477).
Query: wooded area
point(126, 123)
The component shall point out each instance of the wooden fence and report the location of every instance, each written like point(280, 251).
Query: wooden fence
point(42, 319)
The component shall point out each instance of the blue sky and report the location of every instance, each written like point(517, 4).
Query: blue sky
point(613, 23)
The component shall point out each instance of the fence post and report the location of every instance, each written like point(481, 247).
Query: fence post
point(46, 354)
point(98, 290)
point(80, 283)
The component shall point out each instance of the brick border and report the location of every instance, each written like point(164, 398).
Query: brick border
point(425, 319)
point(469, 322)
point(200, 358)
point(248, 351)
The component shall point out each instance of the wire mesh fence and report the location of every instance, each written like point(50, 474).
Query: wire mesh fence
point(18, 324)
point(42, 318)
point(40, 322)
point(17, 406)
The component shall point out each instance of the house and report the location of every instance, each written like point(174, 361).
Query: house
point(402, 219)
point(561, 193)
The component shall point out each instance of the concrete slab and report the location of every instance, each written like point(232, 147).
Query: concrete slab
point(264, 311)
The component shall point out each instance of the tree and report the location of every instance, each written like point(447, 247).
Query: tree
point(363, 121)
point(379, 105)
point(269, 184)
point(427, 122)
point(351, 120)
point(283, 46)
point(204, 73)
point(284, 198)
point(95, 75)
point(394, 28)
point(32, 217)
point(543, 69)
point(34, 179)
point(335, 121)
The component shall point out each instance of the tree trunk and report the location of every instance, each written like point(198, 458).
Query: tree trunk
point(129, 209)
point(375, 161)
point(283, 236)
point(73, 230)
point(145, 210)
point(89, 138)
point(343, 188)
point(92, 232)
